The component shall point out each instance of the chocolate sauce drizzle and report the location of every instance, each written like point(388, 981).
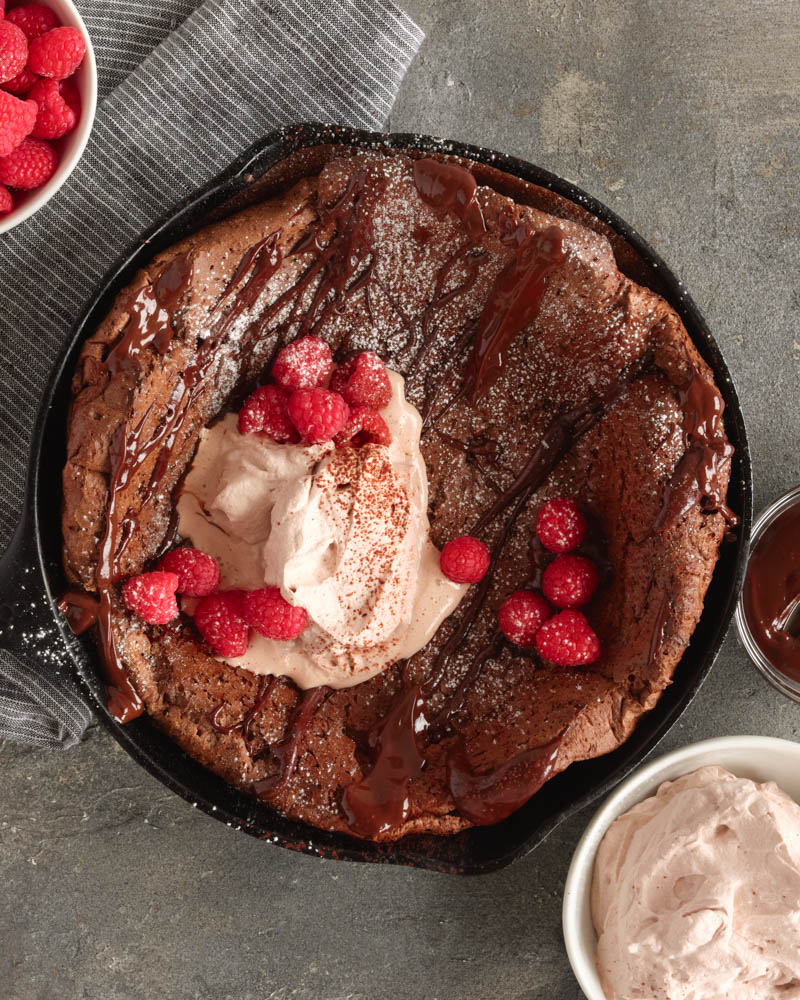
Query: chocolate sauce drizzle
point(659, 629)
point(516, 295)
point(341, 241)
point(514, 301)
point(80, 610)
point(559, 437)
point(440, 727)
point(490, 797)
point(150, 316)
point(698, 475)
point(447, 187)
point(380, 801)
point(287, 751)
point(265, 686)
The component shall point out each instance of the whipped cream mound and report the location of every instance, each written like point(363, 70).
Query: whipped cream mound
point(696, 893)
point(343, 532)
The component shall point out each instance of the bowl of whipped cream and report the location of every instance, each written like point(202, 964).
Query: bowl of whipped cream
point(686, 882)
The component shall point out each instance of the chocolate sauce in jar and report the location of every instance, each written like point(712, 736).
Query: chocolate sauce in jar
point(772, 592)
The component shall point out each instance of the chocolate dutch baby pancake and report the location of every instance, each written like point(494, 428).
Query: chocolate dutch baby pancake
point(390, 497)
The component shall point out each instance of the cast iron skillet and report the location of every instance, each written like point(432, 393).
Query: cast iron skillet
point(31, 578)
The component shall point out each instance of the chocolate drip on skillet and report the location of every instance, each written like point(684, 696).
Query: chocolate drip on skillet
point(514, 301)
point(286, 752)
point(80, 609)
point(516, 295)
point(380, 800)
point(440, 728)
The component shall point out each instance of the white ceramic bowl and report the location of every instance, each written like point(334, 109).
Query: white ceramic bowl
point(73, 144)
point(761, 758)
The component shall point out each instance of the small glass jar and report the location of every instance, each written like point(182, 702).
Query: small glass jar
point(785, 684)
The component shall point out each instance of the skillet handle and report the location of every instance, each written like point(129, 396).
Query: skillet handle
point(26, 619)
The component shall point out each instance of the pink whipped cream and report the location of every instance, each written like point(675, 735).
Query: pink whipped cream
point(696, 893)
point(343, 532)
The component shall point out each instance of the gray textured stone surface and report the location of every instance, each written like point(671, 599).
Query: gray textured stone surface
point(683, 118)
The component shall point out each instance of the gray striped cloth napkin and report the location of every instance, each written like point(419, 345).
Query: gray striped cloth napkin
point(184, 87)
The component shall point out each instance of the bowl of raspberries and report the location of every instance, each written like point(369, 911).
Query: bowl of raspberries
point(48, 93)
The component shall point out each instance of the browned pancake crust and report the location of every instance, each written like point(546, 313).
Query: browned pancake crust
point(595, 327)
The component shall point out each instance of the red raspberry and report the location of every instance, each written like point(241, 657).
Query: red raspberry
point(570, 581)
point(568, 640)
point(318, 414)
point(363, 381)
point(303, 364)
point(235, 601)
point(71, 94)
point(197, 571)
point(55, 117)
point(28, 166)
point(152, 596)
point(34, 19)
point(269, 613)
point(251, 415)
point(21, 83)
point(266, 411)
point(219, 621)
point(365, 426)
point(13, 50)
point(17, 118)
point(6, 201)
point(522, 615)
point(561, 526)
point(57, 53)
point(464, 560)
